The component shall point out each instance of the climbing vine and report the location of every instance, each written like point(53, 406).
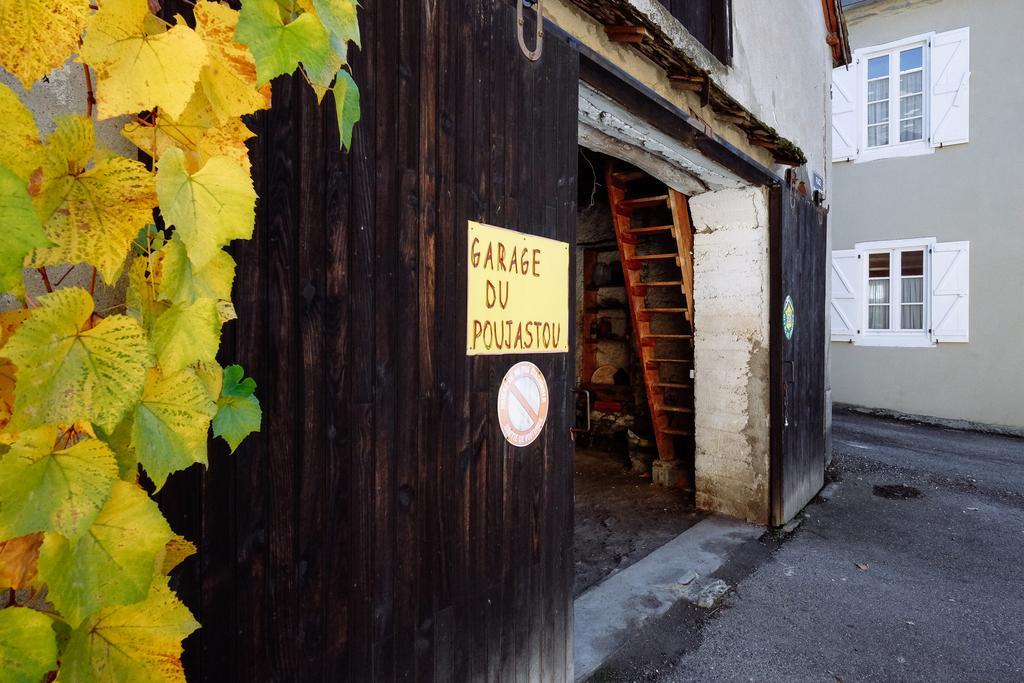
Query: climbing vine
point(98, 406)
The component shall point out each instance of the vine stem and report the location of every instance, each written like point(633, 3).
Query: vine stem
point(62, 277)
point(46, 279)
point(90, 96)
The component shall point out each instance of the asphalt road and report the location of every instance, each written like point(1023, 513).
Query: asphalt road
point(869, 588)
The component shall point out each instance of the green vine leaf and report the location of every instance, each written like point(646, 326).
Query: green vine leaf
point(186, 334)
point(339, 17)
point(140, 642)
point(89, 399)
point(51, 489)
point(22, 231)
point(112, 563)
point(182, 283)
point(238, 410)
point(171, 424)
point(346, 105)
point(69, 372)
point(321, 79)
point(91, 215)
point(279, 46)
point(139, 63)
point(210, 207)
point(36, 36)
point(28, 645)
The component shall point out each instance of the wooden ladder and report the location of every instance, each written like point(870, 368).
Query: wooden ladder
point(657, 259)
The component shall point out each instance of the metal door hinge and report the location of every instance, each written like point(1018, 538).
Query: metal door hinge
point(573, 431)
point(534, 54)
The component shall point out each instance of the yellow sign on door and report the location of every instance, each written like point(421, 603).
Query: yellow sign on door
point(517, 293)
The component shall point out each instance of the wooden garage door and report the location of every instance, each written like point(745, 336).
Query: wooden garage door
point(380, 527)
point(798, 370)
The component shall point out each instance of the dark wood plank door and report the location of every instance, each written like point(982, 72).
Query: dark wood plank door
point(799, 365)
point(380, 527)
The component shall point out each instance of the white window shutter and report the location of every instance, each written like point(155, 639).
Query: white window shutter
point(950, 87)
point(950, 291)
point(846, 297)
point(844, 113)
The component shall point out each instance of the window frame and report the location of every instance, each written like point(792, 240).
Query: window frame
point(894, 335)
point(894, 148)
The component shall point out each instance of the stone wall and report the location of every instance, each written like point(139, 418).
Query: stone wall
point(731, 298)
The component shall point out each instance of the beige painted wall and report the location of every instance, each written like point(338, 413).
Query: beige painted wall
point(964, 192)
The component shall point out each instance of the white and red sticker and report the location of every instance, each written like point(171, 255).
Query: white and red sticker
point(523, 404)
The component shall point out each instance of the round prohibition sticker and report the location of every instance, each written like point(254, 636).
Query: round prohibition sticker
point(522, 404)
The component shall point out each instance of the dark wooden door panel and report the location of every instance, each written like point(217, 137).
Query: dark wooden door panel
point(709, 21)
point(799, 377)
point(380, 527)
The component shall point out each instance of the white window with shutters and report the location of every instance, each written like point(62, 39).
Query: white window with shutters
point(844, 113)
point(911, 293)
point(904, 98)
point(846, 281)
point(950, 291)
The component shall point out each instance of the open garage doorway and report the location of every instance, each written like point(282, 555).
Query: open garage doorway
point(634, 455)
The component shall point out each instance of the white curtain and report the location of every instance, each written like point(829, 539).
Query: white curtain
point(912, 311)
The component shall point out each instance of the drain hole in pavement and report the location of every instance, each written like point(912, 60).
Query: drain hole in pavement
point(896, 491)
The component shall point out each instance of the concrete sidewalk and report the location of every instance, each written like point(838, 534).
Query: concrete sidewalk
point(608, 615)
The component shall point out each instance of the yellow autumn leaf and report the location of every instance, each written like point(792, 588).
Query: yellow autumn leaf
point(177, 550)
point(20, 149)
point(53, 485)
point(139, 63)
point(140, 642)
point(229, 77)
point(91, 214)
point(18, 558)
point(37, 36)
point(197, 131)
point(210, 207)
point(113, 563)
point(181, 282)
point(186, 334)
point(141, 298)
point(9, 322)
point(70, 371)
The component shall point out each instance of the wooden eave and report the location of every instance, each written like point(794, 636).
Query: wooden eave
point(837, 36)
point(650, 40)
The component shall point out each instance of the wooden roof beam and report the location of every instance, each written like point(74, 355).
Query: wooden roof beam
point(626, 34)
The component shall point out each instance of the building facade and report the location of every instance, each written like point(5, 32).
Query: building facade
point(384, 526)
point(926, 244)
